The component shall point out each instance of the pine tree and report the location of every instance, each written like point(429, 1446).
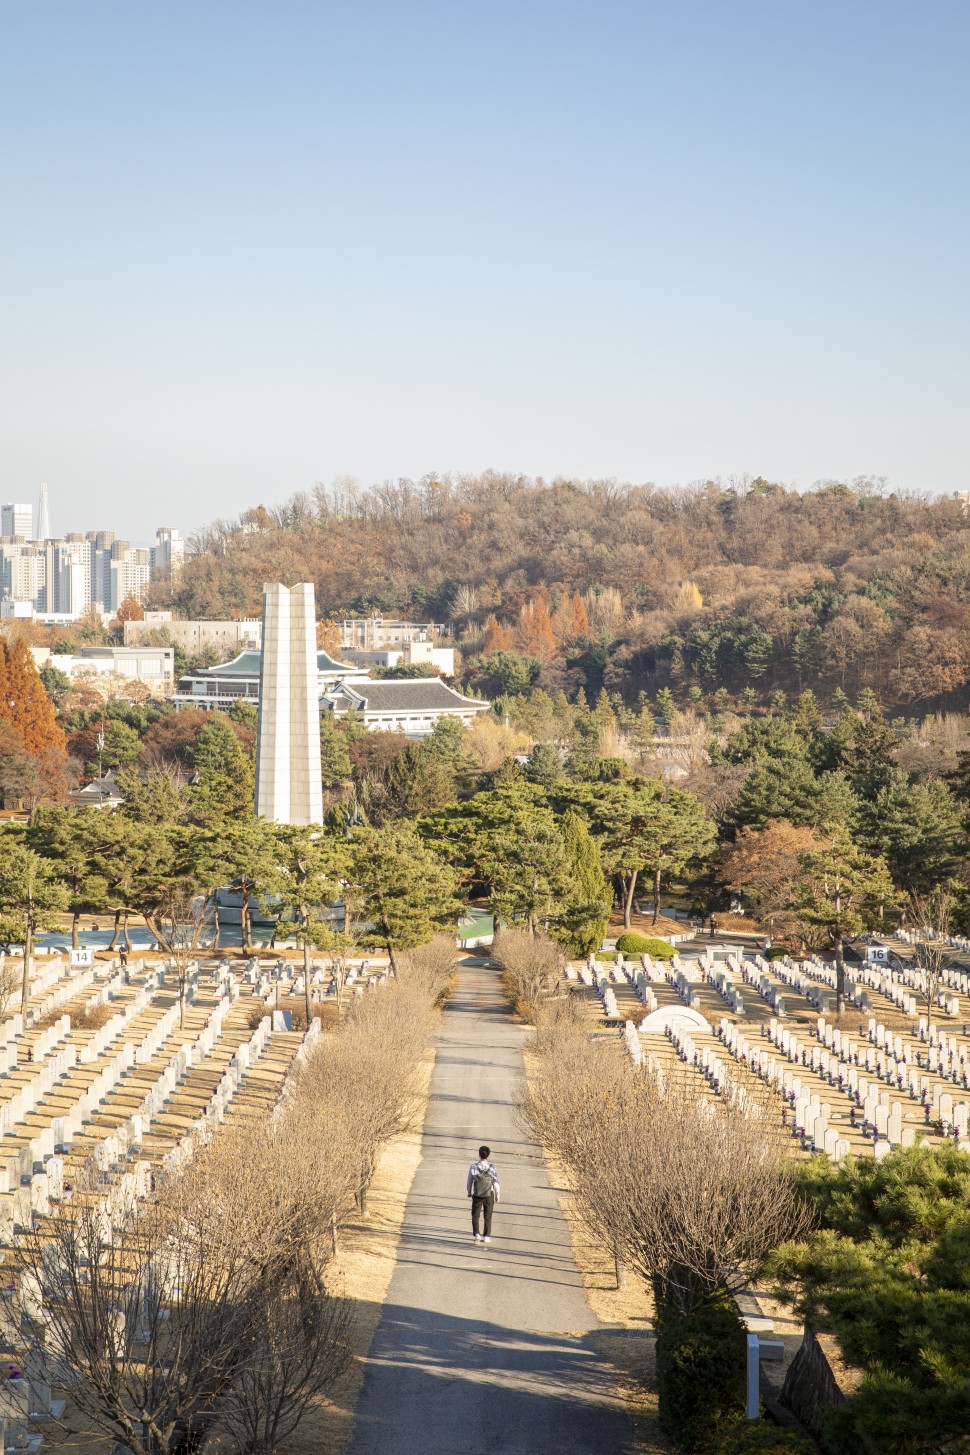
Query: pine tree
point(312, 863)
point(400, 886)
point(585, 917)
point(71, 841)
point(225, 785)
point(31, 898)
point(335, 764)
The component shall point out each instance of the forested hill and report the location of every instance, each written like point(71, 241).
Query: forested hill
point(749, 589)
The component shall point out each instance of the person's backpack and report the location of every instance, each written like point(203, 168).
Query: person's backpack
point(483, 1183)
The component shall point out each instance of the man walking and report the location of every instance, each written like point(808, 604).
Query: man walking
point(483, 1189)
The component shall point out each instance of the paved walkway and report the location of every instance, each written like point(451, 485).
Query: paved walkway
point(484, 1349)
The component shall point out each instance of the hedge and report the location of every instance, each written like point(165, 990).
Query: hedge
point(700, 1372)
point(760, 1437)
point(645, 945)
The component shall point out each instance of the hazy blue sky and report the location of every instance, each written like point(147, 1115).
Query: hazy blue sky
point(246, 247)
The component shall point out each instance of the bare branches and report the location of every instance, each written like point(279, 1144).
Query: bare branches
point(204, 1305)
point(531, 966)
point(692, 1191)
point(932, 917)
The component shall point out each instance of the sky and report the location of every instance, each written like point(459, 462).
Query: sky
point(246, 247)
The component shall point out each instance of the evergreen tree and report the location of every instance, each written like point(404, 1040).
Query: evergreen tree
point(420, 780)
point(545, 766)
point(72, 842)
point(918, 829)
point(57, 684)
point(225, 785)
point(31, 898)
point(844, 891)
point(122, 745)
point(643, 827)
point(238, 850)
point(526, 864)
point(397, 884)
point(335, 765)
point(584, 919)
point(312, 863)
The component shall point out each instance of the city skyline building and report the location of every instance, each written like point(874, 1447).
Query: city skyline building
point(65, 576)
point(17, 522)
point(44, 532)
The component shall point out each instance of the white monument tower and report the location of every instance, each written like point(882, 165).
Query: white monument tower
point(288, 777)
point(43, 516)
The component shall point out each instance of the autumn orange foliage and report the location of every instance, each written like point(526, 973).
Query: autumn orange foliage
point(570, 621)
point(328, 638)
point(534, 637)
point(27, 715)
point(498, 637)
point(763, 864)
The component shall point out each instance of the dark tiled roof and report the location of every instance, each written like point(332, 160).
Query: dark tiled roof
point(413, 694)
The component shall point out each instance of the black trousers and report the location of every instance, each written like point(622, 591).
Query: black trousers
point(482, 1208)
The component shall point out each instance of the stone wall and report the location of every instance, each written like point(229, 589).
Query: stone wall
point(811, 1389)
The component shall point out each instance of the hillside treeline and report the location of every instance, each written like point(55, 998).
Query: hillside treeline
point(749, 587)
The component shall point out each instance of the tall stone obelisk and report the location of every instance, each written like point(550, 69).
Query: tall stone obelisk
point(288, 778)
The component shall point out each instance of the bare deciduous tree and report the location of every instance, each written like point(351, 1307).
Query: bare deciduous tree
point(531, 966)
point(690, 1189)
point(932, 915)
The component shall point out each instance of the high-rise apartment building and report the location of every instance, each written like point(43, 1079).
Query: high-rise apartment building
point(17, 522)
point(22, 572)
point(129, 572)
point(168, 552)
point(65, 576)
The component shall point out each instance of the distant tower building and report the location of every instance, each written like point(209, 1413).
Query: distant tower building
point(168, 552)
point(43, 516)
point(288, 777)
point(17, 521)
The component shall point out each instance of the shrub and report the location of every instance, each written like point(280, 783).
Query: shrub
point(760, 1437)
point(531, 965)
point(645, 945)
point(324, 1011)
point(700, 1372)
point(775, 952)
point(87, 1018)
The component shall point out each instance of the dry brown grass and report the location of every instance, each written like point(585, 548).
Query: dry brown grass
point(83, 1018)
point(626, 1338)
point(361, 1273)
point(327, 1013)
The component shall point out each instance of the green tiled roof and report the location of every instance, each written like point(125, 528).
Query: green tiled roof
point(247, 665)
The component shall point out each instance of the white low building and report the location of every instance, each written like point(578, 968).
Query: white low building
point(196, 636)
point(154, 666)
point(238, 680)
point(406, 705)
point(412, 654)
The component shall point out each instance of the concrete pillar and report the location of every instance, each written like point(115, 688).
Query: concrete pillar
point(288, 784)
point(306, 789)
